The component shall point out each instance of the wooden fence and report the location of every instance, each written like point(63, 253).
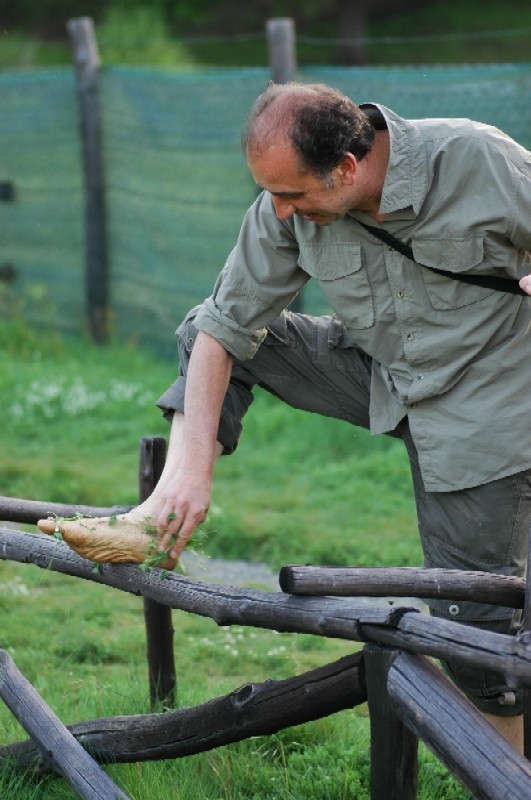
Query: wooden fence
point(280, 34)
point(408, 697)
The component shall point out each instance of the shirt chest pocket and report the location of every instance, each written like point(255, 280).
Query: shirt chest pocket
point(340, 270)
point(453, 255)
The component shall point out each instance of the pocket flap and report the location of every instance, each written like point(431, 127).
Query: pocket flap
point(456, 254)
point(327, 262)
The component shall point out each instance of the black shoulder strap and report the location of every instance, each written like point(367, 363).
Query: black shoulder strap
point(487, 281)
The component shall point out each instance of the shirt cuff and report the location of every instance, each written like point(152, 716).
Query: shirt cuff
point(241, 342)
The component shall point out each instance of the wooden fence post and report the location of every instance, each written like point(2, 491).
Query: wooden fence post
point(456, 732)
point(280, 35)
point(527, 627)
point(394, 748)
point(158, 617)
point(87, 63)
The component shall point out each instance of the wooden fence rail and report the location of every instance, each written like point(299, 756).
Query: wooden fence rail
point(456, 731)
point(479, 587)
point(407, 696)
point(15, 509)
point(417, 694)
point(322, 616)
point(56, 744)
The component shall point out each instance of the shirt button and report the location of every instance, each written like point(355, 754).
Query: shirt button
point(420, 377)
point(410, 337)
point(401, 294)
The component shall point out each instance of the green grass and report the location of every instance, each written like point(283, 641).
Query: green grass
point(299, 489)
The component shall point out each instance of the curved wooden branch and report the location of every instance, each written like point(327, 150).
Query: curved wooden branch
point(252, 710)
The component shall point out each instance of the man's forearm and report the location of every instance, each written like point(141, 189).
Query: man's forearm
point(206, 384)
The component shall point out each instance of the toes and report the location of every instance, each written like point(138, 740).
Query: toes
point(47, 525)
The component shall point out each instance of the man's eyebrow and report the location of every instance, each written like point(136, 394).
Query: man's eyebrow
point(287, 194)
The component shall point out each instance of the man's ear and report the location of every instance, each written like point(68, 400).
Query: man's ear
point(347, 169)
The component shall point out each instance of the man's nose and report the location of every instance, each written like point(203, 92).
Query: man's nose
point(284, 208)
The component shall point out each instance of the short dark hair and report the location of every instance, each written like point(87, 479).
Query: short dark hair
point(322, 124)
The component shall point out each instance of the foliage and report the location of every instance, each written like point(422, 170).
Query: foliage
point(121, 33)
point(83, 399)
point(47, 17)
point(208, 32)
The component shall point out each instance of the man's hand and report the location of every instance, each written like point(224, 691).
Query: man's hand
point(185, 506)
point(525, 283)
point(184, 498)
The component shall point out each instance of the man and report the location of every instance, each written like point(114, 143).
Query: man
point(411, 353)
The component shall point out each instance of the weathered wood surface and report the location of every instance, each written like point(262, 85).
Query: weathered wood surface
point(56, 744)
point(479, 587)
point(252, 710)
point(158, 617)
point(226, 605)
point(394, 748)
point(321, 616)
point(456, 731)
point(14, 509)
point(527, 627)
point(466, 644)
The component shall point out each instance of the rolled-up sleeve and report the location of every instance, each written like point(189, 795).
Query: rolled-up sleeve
point(240, 341)
point(259, 280)
point(520, 233)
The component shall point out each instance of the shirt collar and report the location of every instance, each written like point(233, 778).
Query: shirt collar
point(406, 180)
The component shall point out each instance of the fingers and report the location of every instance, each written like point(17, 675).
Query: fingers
point(525, 283)
point(176, 529)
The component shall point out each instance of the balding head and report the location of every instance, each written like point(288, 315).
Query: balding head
point(320, 123)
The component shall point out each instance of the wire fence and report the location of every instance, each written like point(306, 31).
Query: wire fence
point(176, 184)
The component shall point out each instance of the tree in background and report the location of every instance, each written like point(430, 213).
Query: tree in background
point(221, 32)
point(352, 17)
point(46, 18)
point(342, 19)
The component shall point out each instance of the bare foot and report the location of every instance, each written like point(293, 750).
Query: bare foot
point(115, 540)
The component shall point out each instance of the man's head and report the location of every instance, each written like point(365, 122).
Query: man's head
point(303, 144)
point(319, 122)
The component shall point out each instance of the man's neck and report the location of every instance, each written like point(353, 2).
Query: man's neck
point(374, 169)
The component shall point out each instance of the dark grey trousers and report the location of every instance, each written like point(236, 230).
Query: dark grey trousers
point(309, 363)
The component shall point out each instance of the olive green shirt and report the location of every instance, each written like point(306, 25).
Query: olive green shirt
point(455, 358)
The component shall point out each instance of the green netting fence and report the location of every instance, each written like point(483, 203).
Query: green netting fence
point(176, 182)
